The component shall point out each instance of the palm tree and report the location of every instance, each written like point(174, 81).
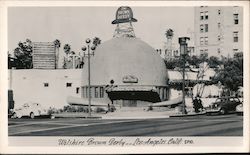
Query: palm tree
point(96, 41)
point(57, 44)
point(66, 49)
point(169, 34)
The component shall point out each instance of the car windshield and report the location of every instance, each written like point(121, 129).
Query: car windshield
point(218, 100)
point(231, 99)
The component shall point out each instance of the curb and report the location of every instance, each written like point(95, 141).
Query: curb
point(142, 118)
point(86, 117)
point(186, 115)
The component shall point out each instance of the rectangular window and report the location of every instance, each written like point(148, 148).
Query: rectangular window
point(87, 92)
point(101, 92)
point(206, 51)
point(219, 12)
point(206, 27)
point(91, 91)
point(201, 40)
point(219, 25)
point(206, 15)
point(96, 92)
point(219, 37)
point(77, 90)
point(201, 51)
point(46, 84)
point(83, 92)
point(235, 50)
point(68, 84)
point(206, 40)
point(162, 90)
point(201, 15)
point(236, 18)
point(201, 28)
point(218, 50)
point(235, 36)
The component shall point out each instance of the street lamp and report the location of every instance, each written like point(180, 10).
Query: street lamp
point(183, 54)
point(88, 54)
point(74, 57)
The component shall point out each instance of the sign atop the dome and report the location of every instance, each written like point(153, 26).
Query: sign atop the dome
point(124, 14)
point(129, 79)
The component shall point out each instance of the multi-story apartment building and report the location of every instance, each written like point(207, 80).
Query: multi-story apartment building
point(218, 30)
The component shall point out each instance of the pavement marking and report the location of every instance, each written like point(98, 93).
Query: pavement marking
point(71, 126)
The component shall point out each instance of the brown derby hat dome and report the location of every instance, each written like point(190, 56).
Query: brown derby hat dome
point(121, 57)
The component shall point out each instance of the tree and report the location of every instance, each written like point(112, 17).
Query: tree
point(194, 61)
point(214, 62)
point(96, 41)
point(67, 49)
point(231, 75)
point(23, 55)
point(203, 57)
point(57, 44)
point(169, 34)
point(173, 63)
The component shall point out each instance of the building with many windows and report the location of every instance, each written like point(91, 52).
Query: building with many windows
point(218, 30)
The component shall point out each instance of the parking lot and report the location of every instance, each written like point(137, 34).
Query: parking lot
point(221, 125)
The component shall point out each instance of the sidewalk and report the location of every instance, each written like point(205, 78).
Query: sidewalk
point(128, 115)
point(77, 115)
point(188, 114)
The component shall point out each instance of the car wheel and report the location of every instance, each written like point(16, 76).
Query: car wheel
point(14, 115)
point(32, 115)
point(223, 111)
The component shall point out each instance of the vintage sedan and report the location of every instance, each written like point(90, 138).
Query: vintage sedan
point(29, 109)
point(223, 105)
point(239, 109)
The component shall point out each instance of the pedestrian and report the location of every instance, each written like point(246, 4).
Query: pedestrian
point(108, 107)
point(200, 106)
point(196, 105)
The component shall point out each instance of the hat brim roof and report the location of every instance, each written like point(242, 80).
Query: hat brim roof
point(117, 21)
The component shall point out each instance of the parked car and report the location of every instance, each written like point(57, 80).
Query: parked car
point(239, 109)
point(223, 105)
point(29, 109)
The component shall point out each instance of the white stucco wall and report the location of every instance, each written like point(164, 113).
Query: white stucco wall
point(28, 85)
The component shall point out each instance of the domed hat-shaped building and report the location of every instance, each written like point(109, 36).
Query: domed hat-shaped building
point(126, 71)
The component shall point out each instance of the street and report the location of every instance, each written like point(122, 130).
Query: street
point(221, 125)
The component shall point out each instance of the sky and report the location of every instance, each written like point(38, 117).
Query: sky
point(73, 25)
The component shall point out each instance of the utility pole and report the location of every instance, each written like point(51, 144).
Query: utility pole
point(183, 53)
